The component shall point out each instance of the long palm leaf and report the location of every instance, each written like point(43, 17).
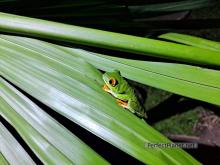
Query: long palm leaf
point(195, 82)
point(50, 141)
point(86, 36)
point(76, 95)
point(192, 40)
point(11, 151)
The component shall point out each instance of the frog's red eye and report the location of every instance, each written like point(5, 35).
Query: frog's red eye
point(112, 82)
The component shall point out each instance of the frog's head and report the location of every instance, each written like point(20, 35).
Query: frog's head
point(113, 81)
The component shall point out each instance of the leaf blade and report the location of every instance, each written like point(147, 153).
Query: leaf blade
point(11, 150)
point(181, 79)
point(48, 140)
point(109, 40)
point(82, 101)
point(192, 40)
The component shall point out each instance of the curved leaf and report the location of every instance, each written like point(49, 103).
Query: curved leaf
point(51, 142)
point(3, 161)
point(195, 82)
point(192, 40)
point(11, 151)
point(86, 36)
point(34, 68)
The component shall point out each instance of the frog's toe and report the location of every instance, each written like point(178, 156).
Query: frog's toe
point(106, 88)
point(122, 103)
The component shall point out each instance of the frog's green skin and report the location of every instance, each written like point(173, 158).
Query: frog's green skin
point(121, 90)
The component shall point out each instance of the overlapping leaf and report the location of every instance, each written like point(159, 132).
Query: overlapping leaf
point(11, 151)
point(192, 40)
point(50, 141)
point(3, 161)
point(92, 37)
point(195, 82)
point(41, 69)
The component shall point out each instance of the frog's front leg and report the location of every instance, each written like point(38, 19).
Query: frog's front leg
point(106, 88)
point(122, 103)
point(125, 104)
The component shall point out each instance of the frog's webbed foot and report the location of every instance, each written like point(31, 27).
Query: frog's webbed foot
point(122, 103)
point(125, 105)
point(106, 88)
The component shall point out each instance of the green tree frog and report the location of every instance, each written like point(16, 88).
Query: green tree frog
point(117, 86)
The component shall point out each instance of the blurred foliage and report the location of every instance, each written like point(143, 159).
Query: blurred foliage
point(179, 124)
point(155, 97)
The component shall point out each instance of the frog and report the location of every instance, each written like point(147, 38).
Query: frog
point(125, 95)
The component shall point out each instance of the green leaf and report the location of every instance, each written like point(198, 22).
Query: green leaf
point(11, 150)
point(50, 141)
point(92, 37)
point(192, 40)
point(3, 161)
point(194, 82)
point(59, 84)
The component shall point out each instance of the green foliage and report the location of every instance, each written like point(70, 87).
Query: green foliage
point(37, 66)
point(11, 150)
point(179, 124)
point(66, 80)
point(51, 142)
point(3, 161)
point(192, 40)
point(195, 82)
point(109, 40)
point(155, 97)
